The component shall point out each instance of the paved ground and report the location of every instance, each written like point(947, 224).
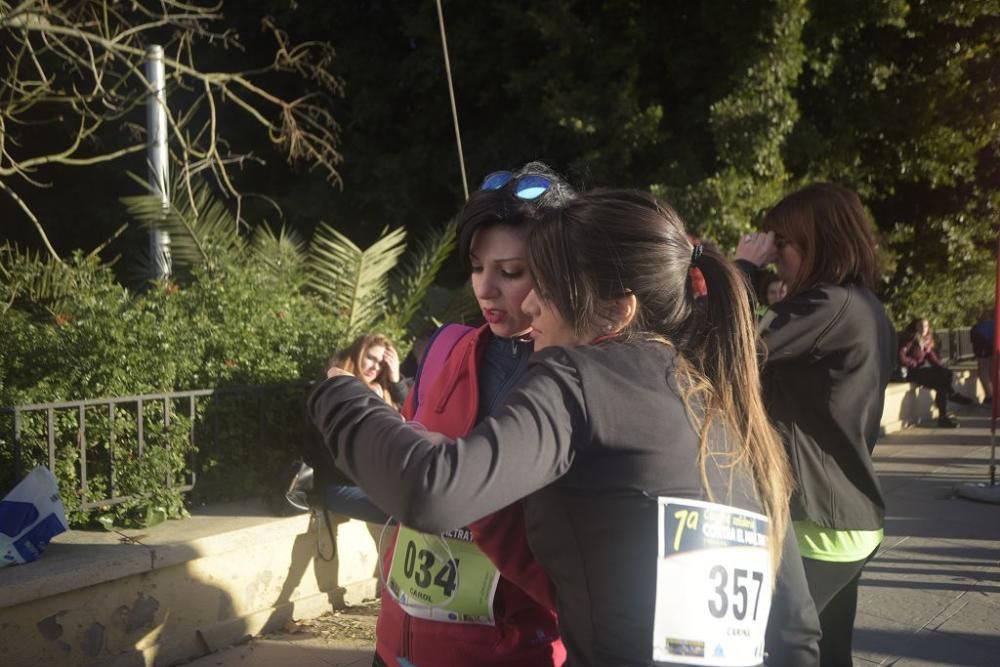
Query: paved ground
point(930, 597)
point(287, 651)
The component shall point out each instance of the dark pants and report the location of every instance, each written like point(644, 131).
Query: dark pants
point(936, 378)
point(834, 589)
point(352, 502)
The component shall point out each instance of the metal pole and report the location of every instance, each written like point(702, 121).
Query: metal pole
point(157, 156)
point(451, 95)
point(995, 374)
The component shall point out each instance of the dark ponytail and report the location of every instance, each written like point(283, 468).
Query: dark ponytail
point(609, 243)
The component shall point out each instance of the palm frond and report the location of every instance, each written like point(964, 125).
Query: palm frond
point(418, 273)
point(282, 255)
point(33, 277)
point(203, 232)
point(459, 305)
point(355, 280)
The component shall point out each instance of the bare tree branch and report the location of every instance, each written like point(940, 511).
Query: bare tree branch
point(34, 220)
point(77, 66)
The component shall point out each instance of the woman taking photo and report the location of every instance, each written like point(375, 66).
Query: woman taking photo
point(830, 354)
point(655, 491)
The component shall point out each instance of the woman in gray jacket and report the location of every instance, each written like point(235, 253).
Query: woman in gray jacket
point(655, 489)
point(830, 353)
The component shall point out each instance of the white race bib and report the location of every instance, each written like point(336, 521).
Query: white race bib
point(713, 584)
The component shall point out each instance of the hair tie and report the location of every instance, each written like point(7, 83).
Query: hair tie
point(696, 253)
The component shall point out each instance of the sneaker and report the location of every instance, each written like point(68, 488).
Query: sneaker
point(945, 422)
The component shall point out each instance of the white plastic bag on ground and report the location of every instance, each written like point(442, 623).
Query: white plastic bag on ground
point(30, 515)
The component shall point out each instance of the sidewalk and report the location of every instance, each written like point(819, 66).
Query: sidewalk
point(288, 651)
point(931, 596)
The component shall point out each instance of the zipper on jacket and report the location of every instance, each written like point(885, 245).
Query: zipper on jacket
point(510, 379)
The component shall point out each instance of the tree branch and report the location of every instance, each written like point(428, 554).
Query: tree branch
point(34, 220)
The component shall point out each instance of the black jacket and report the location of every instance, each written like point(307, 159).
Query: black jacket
point(830, 354)
point(590, 437)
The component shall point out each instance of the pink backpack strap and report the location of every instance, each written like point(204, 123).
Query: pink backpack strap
point(437, 353)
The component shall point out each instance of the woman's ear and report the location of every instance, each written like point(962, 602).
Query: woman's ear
point(622, 311)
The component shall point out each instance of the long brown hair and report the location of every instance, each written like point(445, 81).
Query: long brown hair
point(609, 243)
point(350, 361)
point(830, 228)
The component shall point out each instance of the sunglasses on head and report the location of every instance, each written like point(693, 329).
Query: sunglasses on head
point(529, 186)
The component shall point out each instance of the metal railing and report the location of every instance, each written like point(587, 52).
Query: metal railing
point(136, 406)
point(954, 344)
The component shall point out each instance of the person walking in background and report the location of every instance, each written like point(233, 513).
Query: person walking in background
point(655, 489)
point(920, 364)
point(830, 354)
point(981, 334)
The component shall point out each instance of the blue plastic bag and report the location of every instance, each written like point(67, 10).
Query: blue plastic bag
point(30, 516)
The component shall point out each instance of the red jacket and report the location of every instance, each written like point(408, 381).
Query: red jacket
point(913, 354)
point(525, 633)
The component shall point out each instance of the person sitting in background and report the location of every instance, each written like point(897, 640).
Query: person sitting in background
point(981, 334)
point(773, 289)
point(372, 359)
point(920, 364)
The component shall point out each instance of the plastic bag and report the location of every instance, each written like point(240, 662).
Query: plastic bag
point(30, 516)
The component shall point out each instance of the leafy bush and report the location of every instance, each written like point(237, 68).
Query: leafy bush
point(253, 318)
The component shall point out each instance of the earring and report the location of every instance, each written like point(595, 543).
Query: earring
point(609, 327)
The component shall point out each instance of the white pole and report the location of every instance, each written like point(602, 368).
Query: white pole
point(156, 154)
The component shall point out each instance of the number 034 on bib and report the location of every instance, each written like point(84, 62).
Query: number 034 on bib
point(713, 584)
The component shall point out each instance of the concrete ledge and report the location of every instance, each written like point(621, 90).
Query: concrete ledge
point(180, 589)
point(908, 405)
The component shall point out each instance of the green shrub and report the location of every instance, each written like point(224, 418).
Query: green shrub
point(245, 317)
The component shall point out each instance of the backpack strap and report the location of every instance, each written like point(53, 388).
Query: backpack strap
point(438, 350)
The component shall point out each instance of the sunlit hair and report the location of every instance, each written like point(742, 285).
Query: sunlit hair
point(350, 361)
point(912, 333)
point(609, 243)
point(489, 208)
point(830, 228)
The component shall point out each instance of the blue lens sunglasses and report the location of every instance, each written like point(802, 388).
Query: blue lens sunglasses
point(529, 186)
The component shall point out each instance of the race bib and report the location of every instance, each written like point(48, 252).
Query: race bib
point(713, 584)
point(443, 578)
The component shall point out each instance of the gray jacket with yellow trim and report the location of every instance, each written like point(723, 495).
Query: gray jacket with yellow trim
point(831, 351)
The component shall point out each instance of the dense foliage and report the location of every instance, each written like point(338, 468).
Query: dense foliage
point(254, 318)
point(720, 106)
